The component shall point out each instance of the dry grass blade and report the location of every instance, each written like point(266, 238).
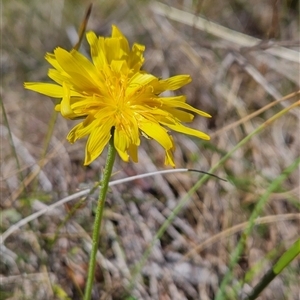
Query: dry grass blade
point(23, 152)
point(231, 36)
point(239, 227)
point(254, 114)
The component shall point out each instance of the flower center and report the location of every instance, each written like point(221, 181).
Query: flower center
point(117, 90)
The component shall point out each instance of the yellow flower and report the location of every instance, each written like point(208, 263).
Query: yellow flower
point(115, 97)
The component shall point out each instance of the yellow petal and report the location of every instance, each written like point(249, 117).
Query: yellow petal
point(97, 140)
point(51, 59)
point(137, 82)
point(48, 89)
point(136, 59)
point(156, 132)
point(58, 76)
point(180, 115)
point(121, 143)
point(133, 152)
point(119, 66)
point(97, 50)
point(186, 130)
point(116, 33)
point(169, 158)
point(65, 105)
point(86, 66)
point(82, 129)
point(182, 105)
point(87, 103)
point(172, 83)
point(128, 123)
point(78, 71)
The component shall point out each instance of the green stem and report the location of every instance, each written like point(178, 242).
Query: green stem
point(98, 219)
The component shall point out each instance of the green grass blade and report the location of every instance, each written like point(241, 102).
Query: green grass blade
point(282, 263)
point(287, 257)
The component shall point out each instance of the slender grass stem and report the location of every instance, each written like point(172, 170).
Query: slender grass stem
point(98, 219)
point(13, 148)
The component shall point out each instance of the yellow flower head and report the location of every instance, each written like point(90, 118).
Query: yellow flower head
point(115, 97)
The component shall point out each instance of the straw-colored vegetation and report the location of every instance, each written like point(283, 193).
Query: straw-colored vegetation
point(245, 74)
